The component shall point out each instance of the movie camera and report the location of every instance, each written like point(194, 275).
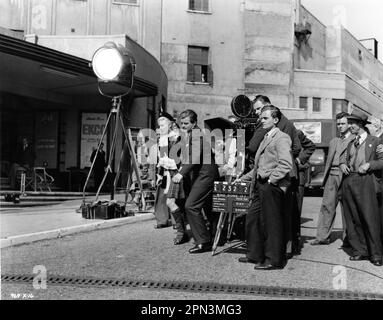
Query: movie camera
point(242, 108)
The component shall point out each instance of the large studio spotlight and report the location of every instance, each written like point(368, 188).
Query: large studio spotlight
point(114, 67)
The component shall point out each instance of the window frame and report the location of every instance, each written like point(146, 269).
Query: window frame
point(319, 105)
point(121, 2)
point(199, 10)
point(300, 103)
point(205, 69)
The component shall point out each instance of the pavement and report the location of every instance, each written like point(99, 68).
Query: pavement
point(29, 223)
point(136, 251)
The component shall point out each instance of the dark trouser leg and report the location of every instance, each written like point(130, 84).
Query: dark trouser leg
point(300, 196)
point(288, 207)
point(327, 213)
point(271, 209)
point(254, 229)
point(161, 210)
point(362, 216)
point(200, 193)
point(179, 223)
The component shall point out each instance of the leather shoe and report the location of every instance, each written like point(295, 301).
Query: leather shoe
point(264, 266)
point(358, 258)
point(320, 242)
point(162, 225)
point(199, 248)
point(246, 260)
point(377, 262)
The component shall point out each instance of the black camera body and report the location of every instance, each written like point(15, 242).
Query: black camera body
point(242, 108)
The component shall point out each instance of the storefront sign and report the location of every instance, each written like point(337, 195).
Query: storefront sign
point(92, 127)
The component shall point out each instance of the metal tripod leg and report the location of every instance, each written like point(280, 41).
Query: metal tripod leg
point(221, 224)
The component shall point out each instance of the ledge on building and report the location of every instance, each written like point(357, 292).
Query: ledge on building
point(198, 11)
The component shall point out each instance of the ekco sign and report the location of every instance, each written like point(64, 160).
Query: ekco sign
point(92, 126)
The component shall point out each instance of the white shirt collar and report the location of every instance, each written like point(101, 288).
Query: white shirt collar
point(363, 137)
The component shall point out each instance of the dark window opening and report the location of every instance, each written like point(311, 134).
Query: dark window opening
point(303, 103)
point(199, 69)
point(316, 104)
point(199, 5)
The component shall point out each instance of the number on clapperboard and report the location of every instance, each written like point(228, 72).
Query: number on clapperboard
point(215, 187)
point(224, 188)
point(234, 188)
point(245, 191)
point(229, 188)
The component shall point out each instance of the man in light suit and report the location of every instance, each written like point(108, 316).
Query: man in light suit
point(331, 183)
point(265, 230)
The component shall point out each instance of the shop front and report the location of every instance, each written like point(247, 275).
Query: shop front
point(52, 99)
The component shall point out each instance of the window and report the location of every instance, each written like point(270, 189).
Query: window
point(303, 103)
point(198, 66)
point(125, 1)
point(339, 105)
point(316, 104)
point(199, 5)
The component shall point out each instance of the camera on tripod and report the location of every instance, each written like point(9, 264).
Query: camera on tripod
point(242, 108)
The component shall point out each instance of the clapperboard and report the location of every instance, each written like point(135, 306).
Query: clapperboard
point(233, 197)
point(231, 200)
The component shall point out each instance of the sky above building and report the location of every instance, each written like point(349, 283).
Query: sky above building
point(363, 18)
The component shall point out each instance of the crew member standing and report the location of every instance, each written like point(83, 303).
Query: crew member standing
point(331, 183)
point(202, 176)
point(360, 165)
point(265, 230)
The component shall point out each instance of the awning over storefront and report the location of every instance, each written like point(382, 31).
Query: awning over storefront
point(36, 71)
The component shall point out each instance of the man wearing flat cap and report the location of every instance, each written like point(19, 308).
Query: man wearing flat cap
point(361, 166)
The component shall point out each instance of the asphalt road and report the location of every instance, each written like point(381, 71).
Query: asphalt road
point(139, 252)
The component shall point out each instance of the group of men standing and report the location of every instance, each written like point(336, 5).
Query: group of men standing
point(281, 153)
point(353, 177)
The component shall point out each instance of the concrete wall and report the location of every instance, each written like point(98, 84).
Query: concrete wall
point(311, 55)
point(318, 84)
point(359, 62)
point(13, 14)
point(223, 36)
point(269, 45)
point(141, 22)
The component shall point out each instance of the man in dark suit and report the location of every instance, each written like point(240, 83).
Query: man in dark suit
point(361, 165)
point(199, 167)
point(331, 183)
point(265, 230)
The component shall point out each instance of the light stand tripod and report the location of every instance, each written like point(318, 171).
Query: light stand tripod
point(115, 119)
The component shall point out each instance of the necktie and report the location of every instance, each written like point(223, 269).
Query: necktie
point(356, 142)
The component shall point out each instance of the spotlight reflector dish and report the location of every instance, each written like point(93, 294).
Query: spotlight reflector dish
point(107, 63)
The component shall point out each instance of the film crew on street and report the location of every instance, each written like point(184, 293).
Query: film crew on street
point(201, 176)
point(331, 183)
point(361, 166)
point(265, 230)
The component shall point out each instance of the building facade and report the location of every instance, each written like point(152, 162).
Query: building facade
point(213, 50)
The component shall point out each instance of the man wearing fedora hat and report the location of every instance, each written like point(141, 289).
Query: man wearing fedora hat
point(361, 165)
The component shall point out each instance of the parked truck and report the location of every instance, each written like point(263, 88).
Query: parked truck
point(321, 132)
